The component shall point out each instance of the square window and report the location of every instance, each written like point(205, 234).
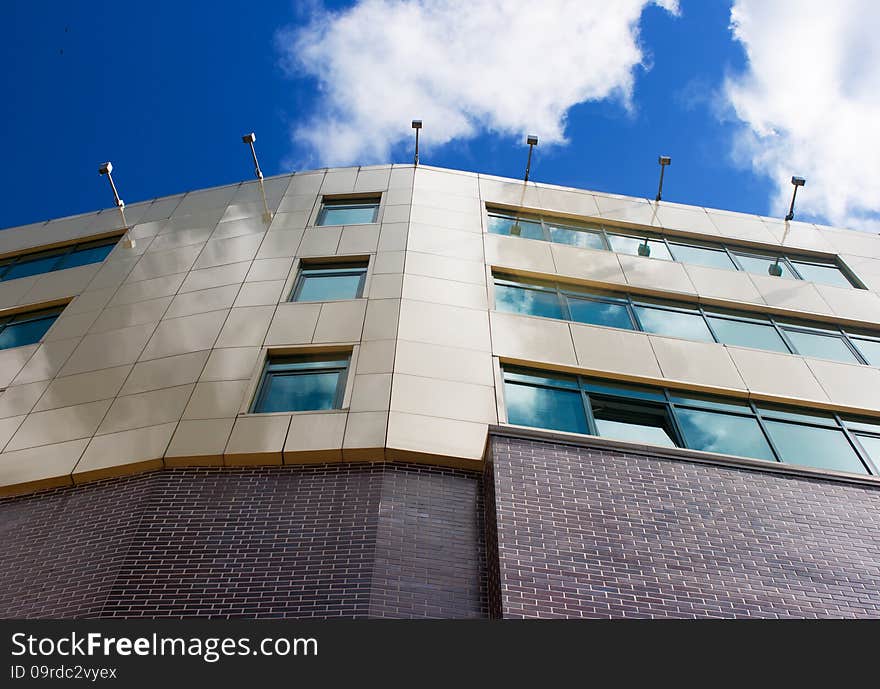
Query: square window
point(330, 281)
point(348, 211)
point(302, 383)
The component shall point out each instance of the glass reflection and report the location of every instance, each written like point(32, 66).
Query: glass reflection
point(871, 444)
point(673, 323)
point(744, 334)
point(630, 245)
point(701, 256)
point(29, 332)
point(827, 275)
point(760, 265)
point(724, 433)
point(870, 349)
point(528, 301)
point(560, 410)
point(349, 214)
point(526, 229)
point(821, 346)
point(329, 287)
point(599, 313)
point(824, 448)
point(581, 238)
point(299, 391)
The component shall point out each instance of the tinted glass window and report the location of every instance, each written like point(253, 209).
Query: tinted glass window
point(827, 275)
point(31, 267)
point(529, 301)
point(528, 229)
point(662, 322)
point(824, 448)
point(630, 245)
point(82, 257)
point(348, 214)
point(299, 391)
point(870, 349)
point(635, 423)
point(330, 284)
point(560, 410)
point(702, 256)
point(25, 333)
point(760, 265)
point(599, 313)
point(871, 444)
point(582, 238)
point(821, 346)
point(744, 334)
point(724, 433)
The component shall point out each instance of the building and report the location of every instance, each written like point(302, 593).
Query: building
point(397, 392)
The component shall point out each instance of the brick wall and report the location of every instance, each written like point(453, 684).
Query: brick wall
point(594, 533)
point(338, 540)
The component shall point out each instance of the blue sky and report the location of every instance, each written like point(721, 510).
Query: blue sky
point(165, 89)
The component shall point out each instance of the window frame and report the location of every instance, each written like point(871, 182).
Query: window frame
point(302, 359)
point(354, 202)
point(673, 400)
point(60, 254)
point(631, 301)
point(306, 266)
point(27, 317)
point(731, 250)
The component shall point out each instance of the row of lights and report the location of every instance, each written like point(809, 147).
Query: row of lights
point(531, 141)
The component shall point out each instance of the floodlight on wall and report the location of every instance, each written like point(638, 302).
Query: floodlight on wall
point(417, 125)
point(664, 161)
point(775, 269)
point(249, 139)
point(644, 249)
point(532, 141)
point(796, 182)
point(107, 169)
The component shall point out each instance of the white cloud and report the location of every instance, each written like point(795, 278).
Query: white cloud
point(462, 66)
point(810, 103)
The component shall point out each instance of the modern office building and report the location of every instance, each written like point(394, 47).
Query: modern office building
point(415, 392)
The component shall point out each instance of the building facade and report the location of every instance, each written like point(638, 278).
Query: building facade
point(416, 392)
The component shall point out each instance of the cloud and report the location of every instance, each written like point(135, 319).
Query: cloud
point(809, 101)
point(508, 66)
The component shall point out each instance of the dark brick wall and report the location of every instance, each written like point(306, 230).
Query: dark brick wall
point(337, 540)
point(593, 533)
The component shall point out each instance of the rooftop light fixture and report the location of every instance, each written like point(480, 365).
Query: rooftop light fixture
point(417, 125)
point(664, 161)
point(249, 139)
point(107, 169)
point(644, 249)
point(796, 182)
point(532, 141)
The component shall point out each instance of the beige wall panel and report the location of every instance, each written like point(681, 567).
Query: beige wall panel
point(374, 356)
point(395, 214)
point(446, 363)
point(166, 372)
point(717, 283)
point(127, 315)
point(339, 181)
point(320, 241)
point(219, 252)
point(849, 242)
point(497, 190)
point(183, 335)
point(8, 427)
point(364, 436)
point(388, 286)
point(448, 182)
point(795, 295)
point(389, 262)
point(443, 398)
point(237, 363)
point(855, 304)
point(161, 263)
point(584, 264)
point(456, 203)
point(442, 242)
point(799, 235)
point(340, 321)
point(46, 361)
point(259, 293)
point(13, 291)
point(531, 339)
point(741, 226)
point(13, 360)
point(197, 201)
point(702, 364)
point(614, 351)
point(207, 278)
point(67, 327)
point(393, 236)
point(269, 269)
point(445, 268)
point(381, 321)
point(315, 437)
point(686, 219)
point(198, 442)
point(571, 202)
point(257, 440)
point(306, 183)
point(293, 323)
point(148, 289)
point(371, 392)
point(89, 301)
point(431, 435)
point(104, 350)
point(113, 274)
point(217, 399)
point(293, 203)
point(373, 178)
point(191, 303)
point(280, 244)
point(20, 399)
point(446, 217)
point(441, 291)
point(45, 467)
point(246, 327)
point(781, 375)
point(59, 425)
point(359, 239)
point(240, 221)
point(83, 387)
point(848, 385)
point(655, 274)
point(524, 254)
point(117, 454)
point(626, 210)
point(445, 325)
point(61, 283)
point(146, 409)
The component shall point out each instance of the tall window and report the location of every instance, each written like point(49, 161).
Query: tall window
point(56, 259)
point(681, 319)
point(302, 383)
point(330, 281)
point(26, 328)
point(595, 236)
point(668, 418)
point(348, 211)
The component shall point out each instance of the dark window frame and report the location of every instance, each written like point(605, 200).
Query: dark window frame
point(301, 364)
point(780, 325)
point(731, 250)
point(672, 400)
point(61, 255)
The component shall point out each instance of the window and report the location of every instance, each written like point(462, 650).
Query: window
point(26, 328)
point(601, 238)
point(679, 319)
point(348, 211)
point(302, 383)
point(56, 259)
point(330, 281)
point(659, 416)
